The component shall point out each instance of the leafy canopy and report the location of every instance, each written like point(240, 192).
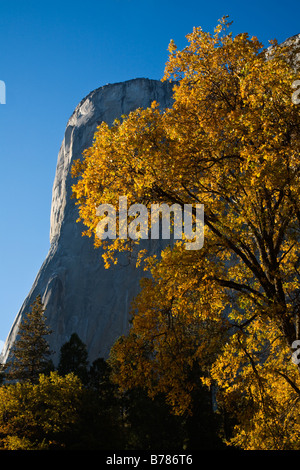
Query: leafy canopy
point(36, 416)
point(231, 142)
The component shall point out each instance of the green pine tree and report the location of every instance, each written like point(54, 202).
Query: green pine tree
point(31, 353)
point(74, 358)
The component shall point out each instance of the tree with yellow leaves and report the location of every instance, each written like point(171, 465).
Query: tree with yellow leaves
point(230, 142)
point(38, 416)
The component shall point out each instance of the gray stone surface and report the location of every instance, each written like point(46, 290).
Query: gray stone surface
point(79, 294)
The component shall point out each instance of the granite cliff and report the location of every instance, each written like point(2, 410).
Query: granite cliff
point(79, 294)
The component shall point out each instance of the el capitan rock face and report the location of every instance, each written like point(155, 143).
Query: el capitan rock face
point(79, 294)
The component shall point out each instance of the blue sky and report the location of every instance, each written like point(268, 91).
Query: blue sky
point(52, 54)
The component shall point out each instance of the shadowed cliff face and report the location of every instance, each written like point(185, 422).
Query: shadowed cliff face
point(79, 294)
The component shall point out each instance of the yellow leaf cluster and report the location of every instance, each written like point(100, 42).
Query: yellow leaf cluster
point(231, 142)
point(31, 415)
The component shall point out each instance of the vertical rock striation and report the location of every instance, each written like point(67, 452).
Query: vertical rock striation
point(79, 294)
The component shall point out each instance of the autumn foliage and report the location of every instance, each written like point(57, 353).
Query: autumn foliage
point(231, 142)
point(35, 416)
